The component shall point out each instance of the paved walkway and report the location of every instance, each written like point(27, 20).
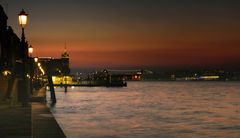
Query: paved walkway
point(44, 124)
point(15, 122)
point(34, 121)
point(39, 95)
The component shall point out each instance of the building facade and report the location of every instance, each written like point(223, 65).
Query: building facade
point(11, 62)
point(9, 45)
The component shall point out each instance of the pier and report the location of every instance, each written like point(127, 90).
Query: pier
point(94, 84)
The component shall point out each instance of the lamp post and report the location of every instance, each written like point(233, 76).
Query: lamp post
point(22, 16)
point(31, 68)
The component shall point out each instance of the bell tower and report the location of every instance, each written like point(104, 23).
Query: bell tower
point(65, 62)
point(65, 54)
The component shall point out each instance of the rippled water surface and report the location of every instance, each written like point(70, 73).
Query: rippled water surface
point(151, 110)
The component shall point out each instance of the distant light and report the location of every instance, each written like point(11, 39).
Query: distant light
point(53, 79)
point(39, 64)
point(139, 73)
point(36, 59)
point(47, 88)
point(209, 77)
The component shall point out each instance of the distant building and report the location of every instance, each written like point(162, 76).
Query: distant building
point(127, 75)
point(116, 75)
point(58, 68)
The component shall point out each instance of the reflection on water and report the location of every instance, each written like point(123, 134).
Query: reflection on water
point(151, 110)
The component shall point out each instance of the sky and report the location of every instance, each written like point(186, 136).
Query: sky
point(133, 33)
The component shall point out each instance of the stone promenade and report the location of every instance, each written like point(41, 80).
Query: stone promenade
point(33, 121)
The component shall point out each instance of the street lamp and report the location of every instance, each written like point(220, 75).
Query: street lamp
point(30, 64)
point(22, 16)
point(30, 50)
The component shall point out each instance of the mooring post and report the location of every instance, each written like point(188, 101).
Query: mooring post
point(52, 91)
point(65, 88)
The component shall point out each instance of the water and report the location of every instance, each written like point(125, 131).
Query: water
point(151, 110)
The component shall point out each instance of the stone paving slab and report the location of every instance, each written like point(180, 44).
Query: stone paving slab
point(34, 121)
point(44, 123)
point(15, 122)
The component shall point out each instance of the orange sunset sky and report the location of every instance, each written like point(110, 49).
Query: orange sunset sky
point(133, 33)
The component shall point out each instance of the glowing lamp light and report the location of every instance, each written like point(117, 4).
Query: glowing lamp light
point(22, 16)
point(39, 64)
point(30, 49)
point(36, 59)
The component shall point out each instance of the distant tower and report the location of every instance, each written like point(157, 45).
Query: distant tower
point(65, 61)
point(65, 53)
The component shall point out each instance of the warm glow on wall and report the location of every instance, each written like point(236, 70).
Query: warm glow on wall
point(6, 73)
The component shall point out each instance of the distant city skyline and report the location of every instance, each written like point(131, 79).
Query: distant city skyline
point(133, 33)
